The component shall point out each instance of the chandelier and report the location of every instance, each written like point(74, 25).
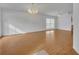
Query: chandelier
point(33, 9)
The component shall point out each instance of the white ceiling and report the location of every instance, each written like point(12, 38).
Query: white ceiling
point(46, 8)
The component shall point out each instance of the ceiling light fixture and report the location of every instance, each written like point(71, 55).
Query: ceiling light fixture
point(33, 9)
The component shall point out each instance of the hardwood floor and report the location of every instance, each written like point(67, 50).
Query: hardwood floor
point(60, 42)
point(54, 42)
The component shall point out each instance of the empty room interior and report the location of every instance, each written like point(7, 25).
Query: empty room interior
point(39, 28)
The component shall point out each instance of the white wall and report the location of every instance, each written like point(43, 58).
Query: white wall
point(64, 22)
point(0, 22)
point(16, 22)
point(76, 27)
point(21, 22)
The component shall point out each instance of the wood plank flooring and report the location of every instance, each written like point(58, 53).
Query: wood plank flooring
point(59, 42)
point(54, 42)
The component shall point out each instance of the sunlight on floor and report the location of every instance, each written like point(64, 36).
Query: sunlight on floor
point(41, 52)
point(50, 34)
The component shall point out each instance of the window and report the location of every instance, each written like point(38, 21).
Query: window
point(50, 23)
